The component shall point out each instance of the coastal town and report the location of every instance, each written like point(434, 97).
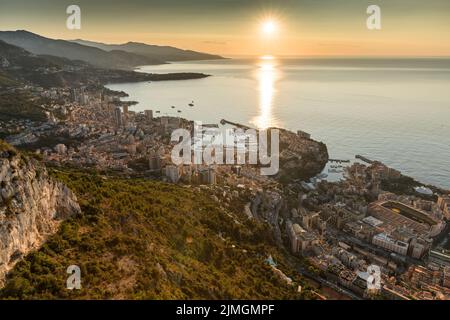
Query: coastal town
point(372, 234)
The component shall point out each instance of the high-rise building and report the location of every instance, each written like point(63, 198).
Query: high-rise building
point(74, 95)
point(149, 115)
point(310, 219)
point(118, 117)
point(419, 247)
point(125, 115)
point(301, 240)
point(212, 178)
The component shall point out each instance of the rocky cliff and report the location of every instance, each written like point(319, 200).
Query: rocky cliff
point(31, 206)
point(301, 158)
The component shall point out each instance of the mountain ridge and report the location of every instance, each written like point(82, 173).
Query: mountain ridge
point(41, 45)
point(17, 65)
point(150, 50)
point(108, 59)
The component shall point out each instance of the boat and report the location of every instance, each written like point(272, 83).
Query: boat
point(322, 176)
point(191, 104)
point(424, 190)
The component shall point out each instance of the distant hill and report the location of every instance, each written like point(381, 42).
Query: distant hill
point(61, 48)
point(126, 56)
point(13, 56)
point(18, 66)
point(152, 51)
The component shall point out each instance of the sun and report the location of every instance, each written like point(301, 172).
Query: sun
point(269, 27)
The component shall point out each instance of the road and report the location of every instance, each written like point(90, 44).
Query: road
point(327, 283)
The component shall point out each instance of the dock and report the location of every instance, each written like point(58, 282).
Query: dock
point(367, 160)
point(241, 126)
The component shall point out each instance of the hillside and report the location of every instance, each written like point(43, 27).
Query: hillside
point(18, 105)
point(6, 80)
point(126, 56)
point(14, 56)
point(20, 66)
point(139, 239)
point(45, 46)
point(152, 51)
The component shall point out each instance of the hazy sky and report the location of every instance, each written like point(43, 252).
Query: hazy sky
point(231, 27)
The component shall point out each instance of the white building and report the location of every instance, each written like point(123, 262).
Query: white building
point(384, 241)
point(301, 240)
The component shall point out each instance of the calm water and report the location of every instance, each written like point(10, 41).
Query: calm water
point(395, 111)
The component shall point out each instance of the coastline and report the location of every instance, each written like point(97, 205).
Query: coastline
point(410, 182)
point(348, 127)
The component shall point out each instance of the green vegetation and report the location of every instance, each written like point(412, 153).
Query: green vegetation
point(19, 106)
point(405, 185)
point(5, 147)
point(6, 81)
point(140, 239)
point(49, 141)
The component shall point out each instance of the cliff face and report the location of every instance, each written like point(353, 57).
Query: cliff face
point(144, 239)
point(31, 207)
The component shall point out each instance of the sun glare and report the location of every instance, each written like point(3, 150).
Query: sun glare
point(267, 75)
point(269, 27)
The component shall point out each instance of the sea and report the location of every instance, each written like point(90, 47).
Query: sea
point(395, 110)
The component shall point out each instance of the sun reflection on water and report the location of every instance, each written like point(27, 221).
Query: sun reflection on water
point(267, 76)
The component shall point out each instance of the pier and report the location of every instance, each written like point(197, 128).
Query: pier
point(367, 160)
point(223, 122)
